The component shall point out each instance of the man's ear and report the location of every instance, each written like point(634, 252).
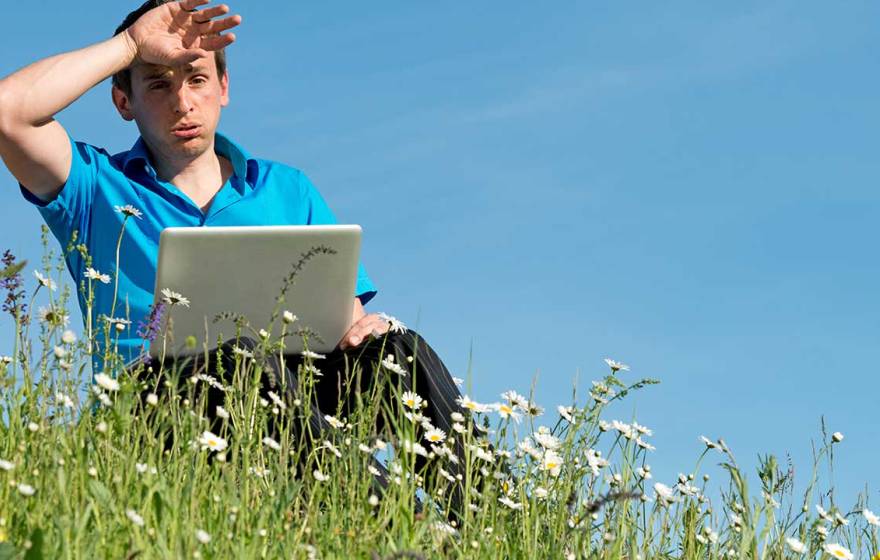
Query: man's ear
point(224, 89)
point(122, 102)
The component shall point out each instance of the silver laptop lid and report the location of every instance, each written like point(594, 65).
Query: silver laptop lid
point(242, 270)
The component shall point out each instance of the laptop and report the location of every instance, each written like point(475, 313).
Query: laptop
point(224, 272)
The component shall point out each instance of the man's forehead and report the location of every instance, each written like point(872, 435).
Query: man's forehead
point(148, 71)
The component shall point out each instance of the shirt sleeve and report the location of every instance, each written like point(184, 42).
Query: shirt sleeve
point(70, 211)
point(320, 214)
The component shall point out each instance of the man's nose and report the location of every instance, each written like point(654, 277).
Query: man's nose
point(182, 102)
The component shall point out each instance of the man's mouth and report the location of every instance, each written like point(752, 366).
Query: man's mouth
point(187, 131)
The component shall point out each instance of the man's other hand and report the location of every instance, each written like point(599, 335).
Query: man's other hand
point(363, 326)
point(176, 33)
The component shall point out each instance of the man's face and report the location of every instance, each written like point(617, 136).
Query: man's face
point(176, 109)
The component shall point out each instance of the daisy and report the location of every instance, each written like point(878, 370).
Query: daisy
point(837, 551)
point(510, 503)
point(242, 352)
point(44, 281)
point(546, 440)
point(645, 445)
point(271, 443)
point(823, 514)
point(389, 364)
point(412, 400)
point(552, 462)
point(506, 411)
point(5, 360)
point(871, 518)
point(211, 441)
point(333, 421)
point(333, 449)
point(837, 437)
point(526, 446)
point(595, 462)
point(152, 399)
point(795, 545)
point(106, 382)
point(134, 517)
point(288, 317)
point(277, 400)
point(566, 412)
point(616, 366)
point(458, 381)
point(173, 298)
point(51, 317)
point(203, 536)
point(435, 435)
point(664, 493)
point(483, 454)
point(709, 443)
point(68, 337)
point(516, 399)
point(93, 274)
point(624, 429)
point(413, 447)
point(129, 211)
point(373, 500)
point(63, 400)
point(642, 429)
point(541, 492)
point(319, 476)
point(26, 489)
point(394, 324)
point(312, 355)
point(465, 402)
point(6, 465)
point(259, 472)
point(534, 410)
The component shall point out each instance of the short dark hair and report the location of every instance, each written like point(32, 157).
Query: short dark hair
point(122, 79)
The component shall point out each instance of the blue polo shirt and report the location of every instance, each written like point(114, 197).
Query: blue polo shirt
point(260, 192)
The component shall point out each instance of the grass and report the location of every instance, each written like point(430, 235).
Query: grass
point(98, 473)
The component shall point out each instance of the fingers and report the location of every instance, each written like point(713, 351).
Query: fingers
point(367, 325)
point(189, 5)
point(218, 26)
point(206, 15)
point(217, 42)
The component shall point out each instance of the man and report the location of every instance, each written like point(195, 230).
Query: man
point(169, 77)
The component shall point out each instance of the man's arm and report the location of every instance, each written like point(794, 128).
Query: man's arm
point(33, 145)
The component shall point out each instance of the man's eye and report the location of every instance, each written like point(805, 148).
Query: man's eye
point(200, 80)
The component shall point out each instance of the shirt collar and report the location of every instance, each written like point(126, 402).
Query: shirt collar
point(243, 165)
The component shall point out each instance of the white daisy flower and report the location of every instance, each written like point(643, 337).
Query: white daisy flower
point(333, 421)
point(333, 449)
point(595, 462)
point(435, 436)
point(413, 447)
point(837, 551)
point(546, 440)
point(129, 210)
point(237, 351)
point(411, 400)
point(277, 400)
point(68, 337)
point(482, 454)
point(26, 489)
point(516, 399)
point(506, 411)
point(525, 446)
point(172, 298)
point(51, 317)
point(203, 536)
point(44, 281)
point(141, 468)
point(106, 382)
point(63, 400)
point(541, 492)
point(211, 441)
point(510, 503)
point(458, 381)
point(664, 493)
point(795, 545)
point(259, 472)
point(389, 364)
point(373, 500)
point(6, 465)
point(823, 514)
point(624, 429)
point(152, 399)
point(465, 402)
point(552, 462)
point(566, 412)
point(616, 366)
point(93, 274)
point(837, 437)
point(319, 476)
point(222, 412)
point(642, 429)
point(645, 445)
point(871, 518)
point(288, 317)
point(134, 517)
point(394, 324)
point(312, 355)
point(271, 443)
point(5, 360)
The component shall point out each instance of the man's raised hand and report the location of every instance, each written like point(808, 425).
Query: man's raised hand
point(178, 33)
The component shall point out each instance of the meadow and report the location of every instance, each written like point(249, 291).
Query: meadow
point(137, 465)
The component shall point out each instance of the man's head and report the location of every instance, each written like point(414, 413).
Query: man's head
point(176, 109)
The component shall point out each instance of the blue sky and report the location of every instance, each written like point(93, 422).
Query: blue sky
point(690, 189)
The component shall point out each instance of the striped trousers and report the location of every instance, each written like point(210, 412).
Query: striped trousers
point(336, 388)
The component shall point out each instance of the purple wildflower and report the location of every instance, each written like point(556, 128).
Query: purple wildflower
point(148, 330)
point(13, 284)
